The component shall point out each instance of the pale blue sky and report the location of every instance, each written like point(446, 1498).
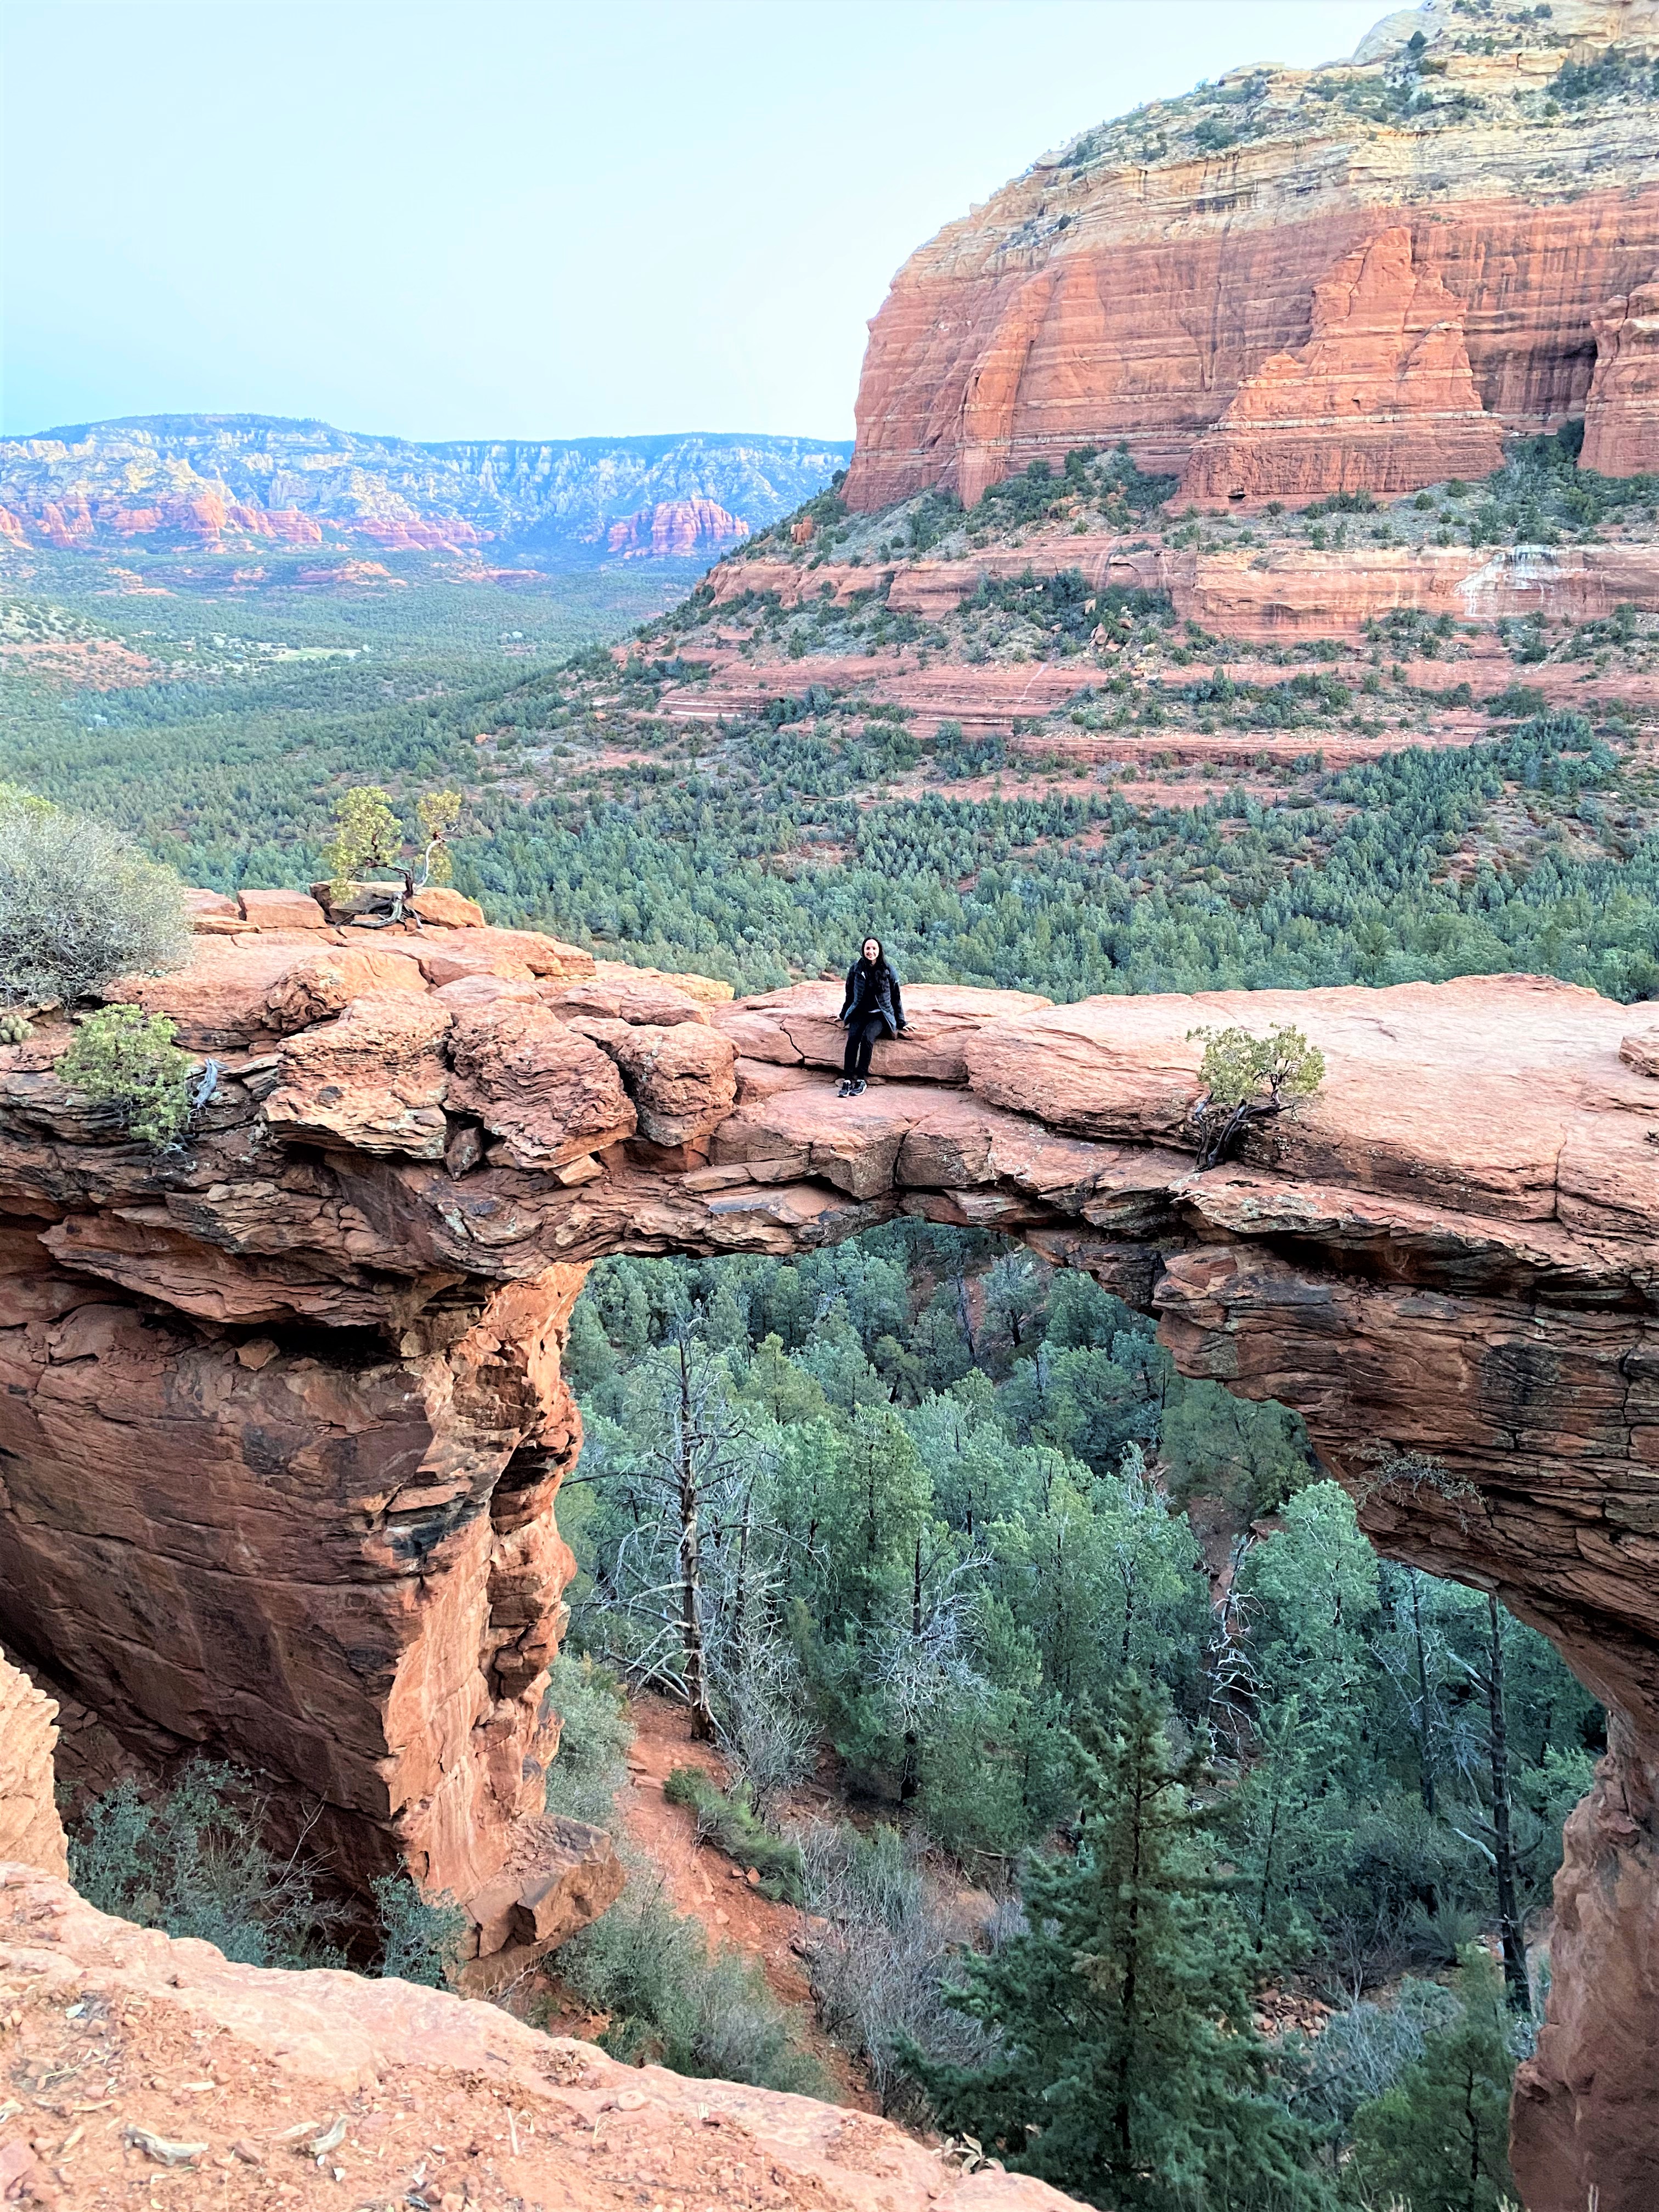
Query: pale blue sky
point(494, 218)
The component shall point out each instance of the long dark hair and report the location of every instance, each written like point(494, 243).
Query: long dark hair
point(877, 966)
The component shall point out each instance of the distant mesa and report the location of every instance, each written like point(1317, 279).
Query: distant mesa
point(676, 529)
point(220, 483)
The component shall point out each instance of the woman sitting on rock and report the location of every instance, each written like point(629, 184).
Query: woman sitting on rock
point(872, 1009)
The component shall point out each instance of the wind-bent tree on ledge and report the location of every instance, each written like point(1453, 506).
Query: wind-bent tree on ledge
point(1250, 1078)
point(369, 835)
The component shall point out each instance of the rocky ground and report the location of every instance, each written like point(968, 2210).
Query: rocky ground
point(130, 2063)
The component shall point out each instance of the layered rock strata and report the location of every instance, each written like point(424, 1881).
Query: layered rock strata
point(1276, 593)
point(1621, 416)
point(283, 1422)
point(1179, 279)
point(1380, 398)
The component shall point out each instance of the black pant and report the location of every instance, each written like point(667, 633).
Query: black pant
point(862, 1035)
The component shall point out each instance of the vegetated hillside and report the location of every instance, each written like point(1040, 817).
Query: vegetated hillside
point(1047, 781)
point(1289, 283)
point(216, 719)
point(242, 482)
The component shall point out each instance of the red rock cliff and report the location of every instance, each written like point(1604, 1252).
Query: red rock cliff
point(283, 1424)
point(1175, 279)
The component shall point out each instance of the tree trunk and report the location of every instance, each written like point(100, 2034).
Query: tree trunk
point(910, 1779)
point(1425, 1733)
point(1509, 1913)
point(690, 1562)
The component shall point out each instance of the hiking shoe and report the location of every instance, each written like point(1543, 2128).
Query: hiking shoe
point(843, 1088)
point(858, 1090)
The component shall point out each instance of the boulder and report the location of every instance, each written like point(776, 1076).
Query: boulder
point(215, 913)
point(373, 1080)
point(682, 1080)
point(324, 984)
point(439, 905)
point(282, 909)
point(562, 1874)
point(547, 1093)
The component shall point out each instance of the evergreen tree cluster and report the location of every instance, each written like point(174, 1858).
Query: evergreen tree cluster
point(928, 1510)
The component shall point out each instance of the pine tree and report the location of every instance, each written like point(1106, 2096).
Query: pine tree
point(1439, 2138)
point(1129, 2070)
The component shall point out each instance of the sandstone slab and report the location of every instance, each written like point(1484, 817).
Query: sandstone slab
point(801, 1026)
point(546, 1093)
point(293, 2049)
point(610, 997)
point(514, 952)
point(282, 909)
point(373, 1081)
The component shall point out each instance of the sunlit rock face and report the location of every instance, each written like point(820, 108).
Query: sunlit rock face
point(31, 1833)
point(283, 1422)
point(1292, 283)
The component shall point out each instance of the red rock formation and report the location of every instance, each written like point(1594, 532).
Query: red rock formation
point(1129, 287)
point(335, 1555)
point(1621, 418)
point(401, 2084)
point(677, 529)
point(30, 1830)
point(1380, 398)
point(1280, 591)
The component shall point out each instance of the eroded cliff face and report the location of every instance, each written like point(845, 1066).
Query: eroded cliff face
point(283, 1422)
point(1293, 283)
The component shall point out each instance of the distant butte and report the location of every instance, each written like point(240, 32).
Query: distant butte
point(1292, 283)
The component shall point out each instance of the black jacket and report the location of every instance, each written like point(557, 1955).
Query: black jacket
point(871, 992)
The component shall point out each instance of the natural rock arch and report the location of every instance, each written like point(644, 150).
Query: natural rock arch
point(282, 1421)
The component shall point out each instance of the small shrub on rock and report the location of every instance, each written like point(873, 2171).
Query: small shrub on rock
point(79, 907)
point(1248, 1079)
point(194, 1861)
point(124, 1058)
